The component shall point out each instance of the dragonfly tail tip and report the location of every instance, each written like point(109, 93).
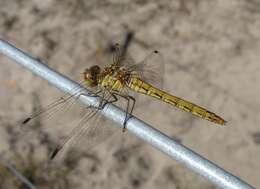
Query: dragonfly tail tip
point(222, 122)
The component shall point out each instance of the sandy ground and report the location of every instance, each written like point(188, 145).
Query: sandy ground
point(211, 54)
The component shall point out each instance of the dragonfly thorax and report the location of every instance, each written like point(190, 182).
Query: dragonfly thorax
point(112, 81)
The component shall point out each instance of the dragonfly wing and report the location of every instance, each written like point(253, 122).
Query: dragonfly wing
point(60, 106)
point(91, 130)
point(150, 69)
point(54, 120)
point(54, 110)
point(121, 56)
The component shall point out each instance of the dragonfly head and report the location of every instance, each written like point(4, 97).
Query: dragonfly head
point(91, 76)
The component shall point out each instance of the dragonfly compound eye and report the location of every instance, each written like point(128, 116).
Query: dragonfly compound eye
point(95, 70)
point(91, 76)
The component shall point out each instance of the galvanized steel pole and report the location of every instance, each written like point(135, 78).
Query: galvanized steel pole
point(165, 144)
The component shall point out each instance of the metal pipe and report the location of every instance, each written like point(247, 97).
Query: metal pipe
point(16, 173)
point(165, 144)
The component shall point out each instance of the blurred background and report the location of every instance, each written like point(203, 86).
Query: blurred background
point(211, 57)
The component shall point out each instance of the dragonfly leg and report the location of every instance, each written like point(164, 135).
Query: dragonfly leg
point(104, 102)
point(95, 94)
point(115, 99)
point(129, 110)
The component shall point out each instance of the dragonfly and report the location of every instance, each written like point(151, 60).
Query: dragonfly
point(120, 79)
point(124, 74)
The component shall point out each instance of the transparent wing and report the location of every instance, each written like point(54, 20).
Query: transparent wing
point(54, 110)
point(53, 125)
point(51, 111)
point(91, 130)
point(150, 69)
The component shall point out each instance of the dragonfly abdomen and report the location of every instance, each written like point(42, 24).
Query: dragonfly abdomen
point(140, 86)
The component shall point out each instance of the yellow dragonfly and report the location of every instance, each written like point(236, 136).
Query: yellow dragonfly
point(116, 81)
point(124, 74)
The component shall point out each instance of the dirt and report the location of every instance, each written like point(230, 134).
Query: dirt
point(211, 57)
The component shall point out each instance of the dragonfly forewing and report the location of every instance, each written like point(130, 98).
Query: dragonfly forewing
point(150, 69)
point(67, 132)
